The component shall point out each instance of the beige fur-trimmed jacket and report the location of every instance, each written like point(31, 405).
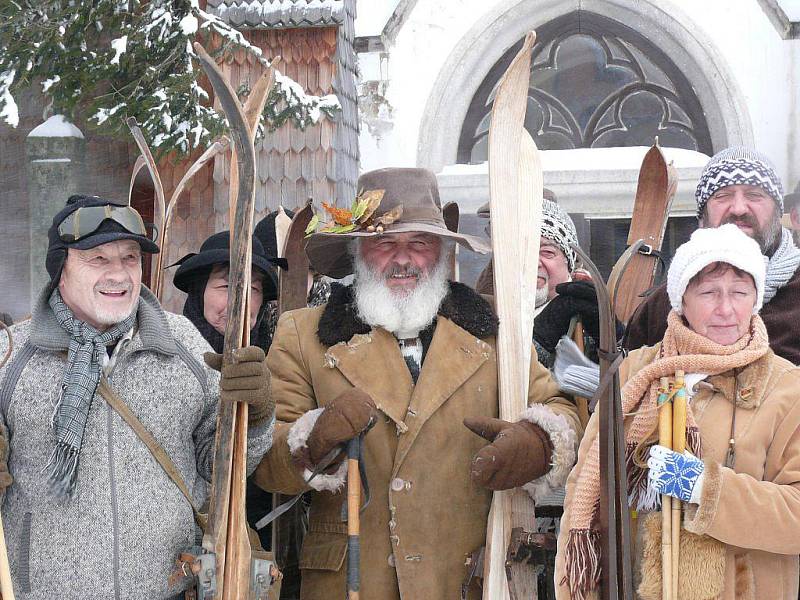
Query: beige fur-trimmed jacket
point(426, 516)
point(753, 509)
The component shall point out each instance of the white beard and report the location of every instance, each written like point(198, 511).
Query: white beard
point(378, 306)
point(541, 295)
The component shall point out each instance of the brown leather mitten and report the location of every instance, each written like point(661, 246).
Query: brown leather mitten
point(246, 379)
point(5, 476)
point(519, 453)
point(350, 413)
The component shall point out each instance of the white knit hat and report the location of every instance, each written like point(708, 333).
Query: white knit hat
point(727, 244)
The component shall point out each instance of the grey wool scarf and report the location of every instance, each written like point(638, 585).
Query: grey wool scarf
point(781, 266)
point(81, 378)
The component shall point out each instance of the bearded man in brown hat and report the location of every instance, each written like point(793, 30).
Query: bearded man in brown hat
point(407, 357)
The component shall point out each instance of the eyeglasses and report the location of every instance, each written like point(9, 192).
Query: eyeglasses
point(86, 220)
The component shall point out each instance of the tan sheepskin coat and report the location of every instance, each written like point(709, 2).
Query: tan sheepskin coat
point(425, 516)
point(752, 509)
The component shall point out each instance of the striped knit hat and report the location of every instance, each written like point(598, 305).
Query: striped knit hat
point(558, 227)
point(737, 166)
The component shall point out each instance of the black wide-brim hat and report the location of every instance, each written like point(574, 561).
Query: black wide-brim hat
point(216, 250)
point(418, 192)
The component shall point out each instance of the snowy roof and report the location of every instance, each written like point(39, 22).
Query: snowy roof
point(279, 13)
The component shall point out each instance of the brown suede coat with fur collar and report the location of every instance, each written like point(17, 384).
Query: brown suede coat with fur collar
point(425, 516)
point(752, 508)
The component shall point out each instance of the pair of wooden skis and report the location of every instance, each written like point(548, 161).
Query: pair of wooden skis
point(515, 181)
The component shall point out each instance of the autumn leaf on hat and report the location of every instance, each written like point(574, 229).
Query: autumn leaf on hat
point(361, 215)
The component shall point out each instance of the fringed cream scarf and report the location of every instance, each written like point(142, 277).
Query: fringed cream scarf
point(682, 349)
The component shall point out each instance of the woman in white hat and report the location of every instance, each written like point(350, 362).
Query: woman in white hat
point(740, 480)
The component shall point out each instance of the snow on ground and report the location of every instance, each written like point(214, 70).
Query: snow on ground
point(56, 126)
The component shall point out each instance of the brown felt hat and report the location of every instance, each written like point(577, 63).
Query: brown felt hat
point(417, 191)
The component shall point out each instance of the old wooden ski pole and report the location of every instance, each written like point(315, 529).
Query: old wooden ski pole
point(227, 534)
point(353, 518)
point(678, 445)
point(665, 439)
point(515, 182)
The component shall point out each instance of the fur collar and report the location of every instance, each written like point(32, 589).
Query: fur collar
point(462, 305)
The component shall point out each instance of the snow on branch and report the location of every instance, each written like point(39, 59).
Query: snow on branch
point(106, 60)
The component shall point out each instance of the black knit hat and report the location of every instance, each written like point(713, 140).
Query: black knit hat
point(108, 231)
point(265, 232)
point(216, 250)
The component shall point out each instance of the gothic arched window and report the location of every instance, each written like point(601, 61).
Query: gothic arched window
point(595, 83)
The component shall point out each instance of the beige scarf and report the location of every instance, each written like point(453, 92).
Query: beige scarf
point(681, 349)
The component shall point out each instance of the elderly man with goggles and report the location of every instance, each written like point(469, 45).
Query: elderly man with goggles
point(77, 476)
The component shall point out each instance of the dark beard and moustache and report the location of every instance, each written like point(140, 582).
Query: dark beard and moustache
point(379, 306)
point(766, 238)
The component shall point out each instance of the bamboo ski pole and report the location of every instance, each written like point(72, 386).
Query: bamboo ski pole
point(353, 516)
point(678, 445)
point(665, 439)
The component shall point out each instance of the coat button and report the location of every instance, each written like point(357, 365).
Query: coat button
point(391, 561)
point(398, 485)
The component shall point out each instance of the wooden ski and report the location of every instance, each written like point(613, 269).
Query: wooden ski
point(163, 211)
point(515, 182)
point(227, 534)
point(614, 516)
point(451, 214)
point(6, 584)
point(654, 194)
point(293, 283)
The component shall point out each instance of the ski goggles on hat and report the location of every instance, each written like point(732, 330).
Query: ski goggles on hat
point(86, 220)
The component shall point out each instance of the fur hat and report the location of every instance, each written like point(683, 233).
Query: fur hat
point(727, 244)
point(737, 166)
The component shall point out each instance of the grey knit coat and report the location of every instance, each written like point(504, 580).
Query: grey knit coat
point(118, 537)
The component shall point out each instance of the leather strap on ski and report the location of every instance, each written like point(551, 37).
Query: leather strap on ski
point(158, 452)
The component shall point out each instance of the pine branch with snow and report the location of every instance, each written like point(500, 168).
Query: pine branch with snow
point(106, 60)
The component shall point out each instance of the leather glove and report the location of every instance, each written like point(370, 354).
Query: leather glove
point(575, 298)
point(5, 477)
point(519, 453)
point(246, 379)
point(678, 475)
point(350, 413)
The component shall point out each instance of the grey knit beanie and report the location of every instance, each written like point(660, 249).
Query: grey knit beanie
point(737, 166)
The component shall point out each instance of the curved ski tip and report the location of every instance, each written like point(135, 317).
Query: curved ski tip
point(530, 40)
point(655, 142)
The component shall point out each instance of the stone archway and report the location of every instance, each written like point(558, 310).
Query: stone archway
point(701, 63)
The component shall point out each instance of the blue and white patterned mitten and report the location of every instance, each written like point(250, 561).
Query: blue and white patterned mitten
point(677, 475)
